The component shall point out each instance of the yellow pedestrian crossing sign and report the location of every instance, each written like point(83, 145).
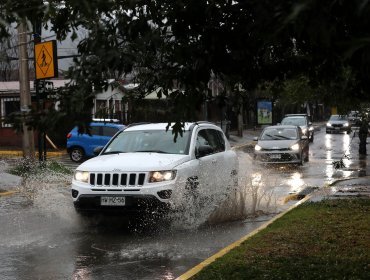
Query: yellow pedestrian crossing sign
point(46, 60)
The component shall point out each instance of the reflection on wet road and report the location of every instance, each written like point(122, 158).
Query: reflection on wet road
point(41, 236)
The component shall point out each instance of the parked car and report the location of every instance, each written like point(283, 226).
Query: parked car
point(338, 123)
point(142, 168)
point(81, 146)
point(303, 121)
point(282, 144)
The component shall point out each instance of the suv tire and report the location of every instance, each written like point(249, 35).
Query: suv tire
point(76, 154)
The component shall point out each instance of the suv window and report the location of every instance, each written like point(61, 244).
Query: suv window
point(211, 137)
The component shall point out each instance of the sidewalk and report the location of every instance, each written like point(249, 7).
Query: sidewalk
point(17, 152)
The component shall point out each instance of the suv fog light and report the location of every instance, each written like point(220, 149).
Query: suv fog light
point(74, 193)
point(166, 194)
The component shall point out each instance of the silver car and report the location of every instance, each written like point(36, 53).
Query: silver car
point(303, 121)
point(338, 123)
point(282, 144)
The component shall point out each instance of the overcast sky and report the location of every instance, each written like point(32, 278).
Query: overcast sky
point(66, 47)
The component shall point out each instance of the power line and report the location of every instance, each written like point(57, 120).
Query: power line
point(28, 43)
point(59, 57)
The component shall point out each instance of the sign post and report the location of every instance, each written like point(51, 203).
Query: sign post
point(46, 66)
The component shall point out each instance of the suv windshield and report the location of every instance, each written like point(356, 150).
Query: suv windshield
point(156, 141)
point(294, 121)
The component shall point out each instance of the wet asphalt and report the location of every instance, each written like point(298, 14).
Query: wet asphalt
point(45, 239)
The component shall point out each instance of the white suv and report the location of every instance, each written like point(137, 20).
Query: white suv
point(142, 167)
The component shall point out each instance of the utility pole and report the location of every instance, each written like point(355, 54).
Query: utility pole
point(40, 102)
point(25, 95)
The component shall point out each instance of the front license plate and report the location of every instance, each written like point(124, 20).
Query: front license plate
point(337, 128)
point(275, 156)
point(112, 201)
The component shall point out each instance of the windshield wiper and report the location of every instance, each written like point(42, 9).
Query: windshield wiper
point(284, 137)
point(112, 152)
point(151, 151)
point(271, 136)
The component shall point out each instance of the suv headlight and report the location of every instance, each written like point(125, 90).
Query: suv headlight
point(160, 176)
point(81, 176)
point(346, 124)
point(328, 124)
point(257, 148)
point(295, 147)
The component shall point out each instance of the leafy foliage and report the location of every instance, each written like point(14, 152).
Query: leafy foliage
point(175, 44)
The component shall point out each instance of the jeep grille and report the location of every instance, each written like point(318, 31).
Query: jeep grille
point(117, 179)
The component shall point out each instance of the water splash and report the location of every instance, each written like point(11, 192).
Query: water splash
point(251, 194)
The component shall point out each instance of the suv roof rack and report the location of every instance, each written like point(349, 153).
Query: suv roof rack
point(138, 123)
point(106, 120)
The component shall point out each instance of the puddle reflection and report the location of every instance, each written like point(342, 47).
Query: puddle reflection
point(330, 170)
point(295, 182)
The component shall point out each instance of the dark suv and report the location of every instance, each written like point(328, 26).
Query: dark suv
point(301, 120)
point(80, 146)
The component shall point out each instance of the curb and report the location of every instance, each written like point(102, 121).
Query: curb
point(20, 153)
point(6, 193)
point(222, 252)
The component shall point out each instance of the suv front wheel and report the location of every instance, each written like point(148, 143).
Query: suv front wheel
point(76, 154)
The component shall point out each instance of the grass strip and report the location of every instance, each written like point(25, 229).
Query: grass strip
point(329, 239)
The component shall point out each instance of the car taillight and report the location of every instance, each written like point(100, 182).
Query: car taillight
point(69, 135)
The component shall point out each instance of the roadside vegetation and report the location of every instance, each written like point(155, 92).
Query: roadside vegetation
point(318, 240)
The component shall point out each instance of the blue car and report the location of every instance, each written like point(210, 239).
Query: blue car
point(81, 146)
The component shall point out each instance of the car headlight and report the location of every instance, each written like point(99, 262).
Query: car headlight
point(328, 124)
point(257, 148)
point(81, 176)
point(295, 147)
point(160, 176)
point(346, 124)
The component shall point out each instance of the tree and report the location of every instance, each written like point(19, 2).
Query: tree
point(175, 44)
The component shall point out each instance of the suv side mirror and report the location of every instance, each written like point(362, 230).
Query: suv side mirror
point(98, 149)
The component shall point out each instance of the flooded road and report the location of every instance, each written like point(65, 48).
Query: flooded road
point(41, 236)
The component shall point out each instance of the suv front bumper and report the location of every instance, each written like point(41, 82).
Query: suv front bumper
point(134, 204)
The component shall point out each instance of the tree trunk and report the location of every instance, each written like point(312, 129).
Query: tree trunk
point(25, 95)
